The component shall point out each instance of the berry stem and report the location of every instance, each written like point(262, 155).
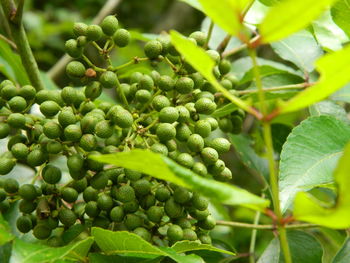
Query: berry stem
point(87, 60)
point(210, 31)
point(270, 156)
point(135, 60)
point(13, 16)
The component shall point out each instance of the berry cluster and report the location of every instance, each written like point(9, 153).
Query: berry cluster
point(167, 114)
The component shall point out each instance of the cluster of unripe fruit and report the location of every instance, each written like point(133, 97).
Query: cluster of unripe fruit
point(169, 115)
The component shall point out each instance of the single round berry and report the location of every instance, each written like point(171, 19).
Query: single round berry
point(108, 80)
point(162, 194)
point(155, 214)
point(36, 157)
point(224, 66)
point(26, 206)
point(79, 29)
point(69, 194)
point(221, 145)
point(4, 130)
point(132, 221)
point(8, 92)
point(200, 169)
point(143, 95)
point(207, 224)
point(67, 217)
point(72, 133)
point(205, 106)
point(91, 209)
point(159, 102)
point(122, 37)
point(54, 147)
point(99, 180)
point(94, 32)
point(125, 193)
point(146, 82)
point(49, 108)
point(75, 69)
point(117, 214)
point(123, 119)
point(88, 142)
point(20, 151)
point(72, 48)
point(214, 55)
point(189, 234)
point(199, 202)
point(168, 114)
point(173, 209)
point(166, 83)
point(17, 104)
point(175, 233)
point(185, 159)
point(16, 120)
point(184, 85)
point(24, 224)
point(109, 25)
point(143, 233)
point(224, 176)
point(51, 174)
point(200, 37)
point(90, 194)
point(183, 132)
point(195, 143)
point(52, 129)
point(153, 49)
point(209, 155)
point(66, 117)
point(182, 195)
point(93, 90)
point(105, 202)
point(41, 231)
point(142, 187)
point(203, 128)
point(132, 174)
point(184, 114)
point(11, 186)
point(28, 192)
point(159, 148)
point(166, 132)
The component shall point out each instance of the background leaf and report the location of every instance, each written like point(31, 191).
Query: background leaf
point(162, 167)
point(310, 155)
point(343, 254)
point(304, 249)
point(340, 12)
point(188, 246)
point(297, 14)
point(331, 108)
point(309, 209)
point(300, 48)
point(5, 231)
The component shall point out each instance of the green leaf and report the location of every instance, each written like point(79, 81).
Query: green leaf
point(181, 258)
point(5, 231)
point(227, 14)
point(334, 69)
point(304, 249)
point(194, 4)
point(72, 232)
point(309, 209)
point(243, 146)
point(202, 62)
point(5, 252)
point(331, 108)
point(100, 258)
point(34, 253)
point(310, 155)
point(163, 168)
point(300, 48)
point(340, 13)
point(342, 95)
point(297, 14)
point(13, 61)
point(343, 254)
point(188, 246)
point(224, 110)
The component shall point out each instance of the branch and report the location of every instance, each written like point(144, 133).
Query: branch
point(57, 70)
point(13, 17)
point(262, 227)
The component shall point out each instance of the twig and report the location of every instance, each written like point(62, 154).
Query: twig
point(210, 31)
point(262, 227)
point(278, 88)
point(222, 46)
point(239, 48)
point(8, 41)
point(57, 69)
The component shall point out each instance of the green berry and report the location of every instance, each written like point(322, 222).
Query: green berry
point(54, 147)
point(75, 69)
point(117, 214)
point(237, 124)
point(166, 83)
point(131, 207)
point(24, 224)
point(146, 82)
point(36, 157)
point(185, 159)
point(69, 194)
point(205, 239)
point(199, 215)
point(41, 231)
point(153, 49)
point(195, 143)
point(132, 221)
point(49, 108)
point(52, 129)
point(200, 37)
point(4, 130)
point(168, 114)
point(184, 85)
point(88, 142)
point(75, 162)
point(123, 119)
point(99, 180)
point(20, 151)
point(72, 133)
point(91, 209)
point(213, 123)
point(159, 148)
point(27, 92)
point(175, 233)
point(155, 214)
point(109, 79)
point(135, 77)
point(132, 174)
point(142, 187)
point(189, 234)
point(16, 120)
point(162, 194)
point(28, 192)
point(125, 193)
point(182, 195)
point(3, 195)
point(79, 29)
point(94, 32)
point(224, 66)
point(207, 224)
point(199, 202)
point(109, 25)
point(173, 209)
point(159, 102)
point(165, 132)
point(225, 125)
point(122, 37)
point(93, 90)
point(67, 217)
point(226, 84)
point(200, 169)
point(205, 106)
point(143, 95)
point(217, 167)
point(183, 132)
point(17, 104)
point(6, 165)
point(90, 194)
point(224, 176)
point(221, 145)
point(72, 48)
point(214, 55)
point(8, 92)
point(105, 202)
point(184, 223)
point(69, 95)
point(11, 185)
point(203, 128)
point(51, 174)
point(184, 114)
point(143, 233)
point(209, 155)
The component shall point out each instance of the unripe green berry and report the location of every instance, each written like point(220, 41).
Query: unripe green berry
point(159, 102)
point(11, 185)
point(26, 206)
point(6, 165)
point(153, 49)
point(199, 202)
point(183, 132)
point(36, 157)
point(88, 142)
point(200, 37)
point(217, 167)
point(143, 233)
point(173, 209)
point(17, 104)
point(51, 174)
point(4, 130)
point(224, 176)
point(69, 194)
point(205, 106)
point(162, 194)
point(117, 214)
point(166, 83)
point(52, 129)
point(91, 209)
point(105, 202)
point(207, 224)
point(68, 95)
point(122, 37)
point(221, 145)
point(200, 169)
point(132, 174)
point(49, 108)
point(41, 231)
point(214, 55)
point(213, 123)
point(72, 48)
point(24, 224)
point(99, 180)
point(67, 217)
point(175, 233)
point(168, 114)
point(93, 32)
point(195, 143)
point(90, 194)
point(28, 192)
point(224, 66)
point(185, 159)
point(93, 90)
point(123, 119)
point(209, 155)
point(132, 221)
point(189, 234)
point(184, 85)
point(75, 69)
point(155, 214)
point(165, 132)
point(226, 84)
point(66, 117)
point(54, 147)
point(72, 133)
point(159, 148)
point(79, 29)
point(19, 151)
point(8, 92)
point(203, 128)
point(108, 79)
point(143, 96)
point(103, 129)
point(109, 25)
point(184, 114)
point(16, 120)
point(125, 193)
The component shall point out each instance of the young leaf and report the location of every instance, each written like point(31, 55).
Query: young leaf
point(334, 69)
point(202, 62)
point(343, 254)
point(340, 13)
point(188, 246)
point(290, 16)
point(310, 154)
point(163, 168)
point(304, 249)
point(34, 253)
point(224, 110)
point(5, 231)
point(300, 48)
point(309, 209)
